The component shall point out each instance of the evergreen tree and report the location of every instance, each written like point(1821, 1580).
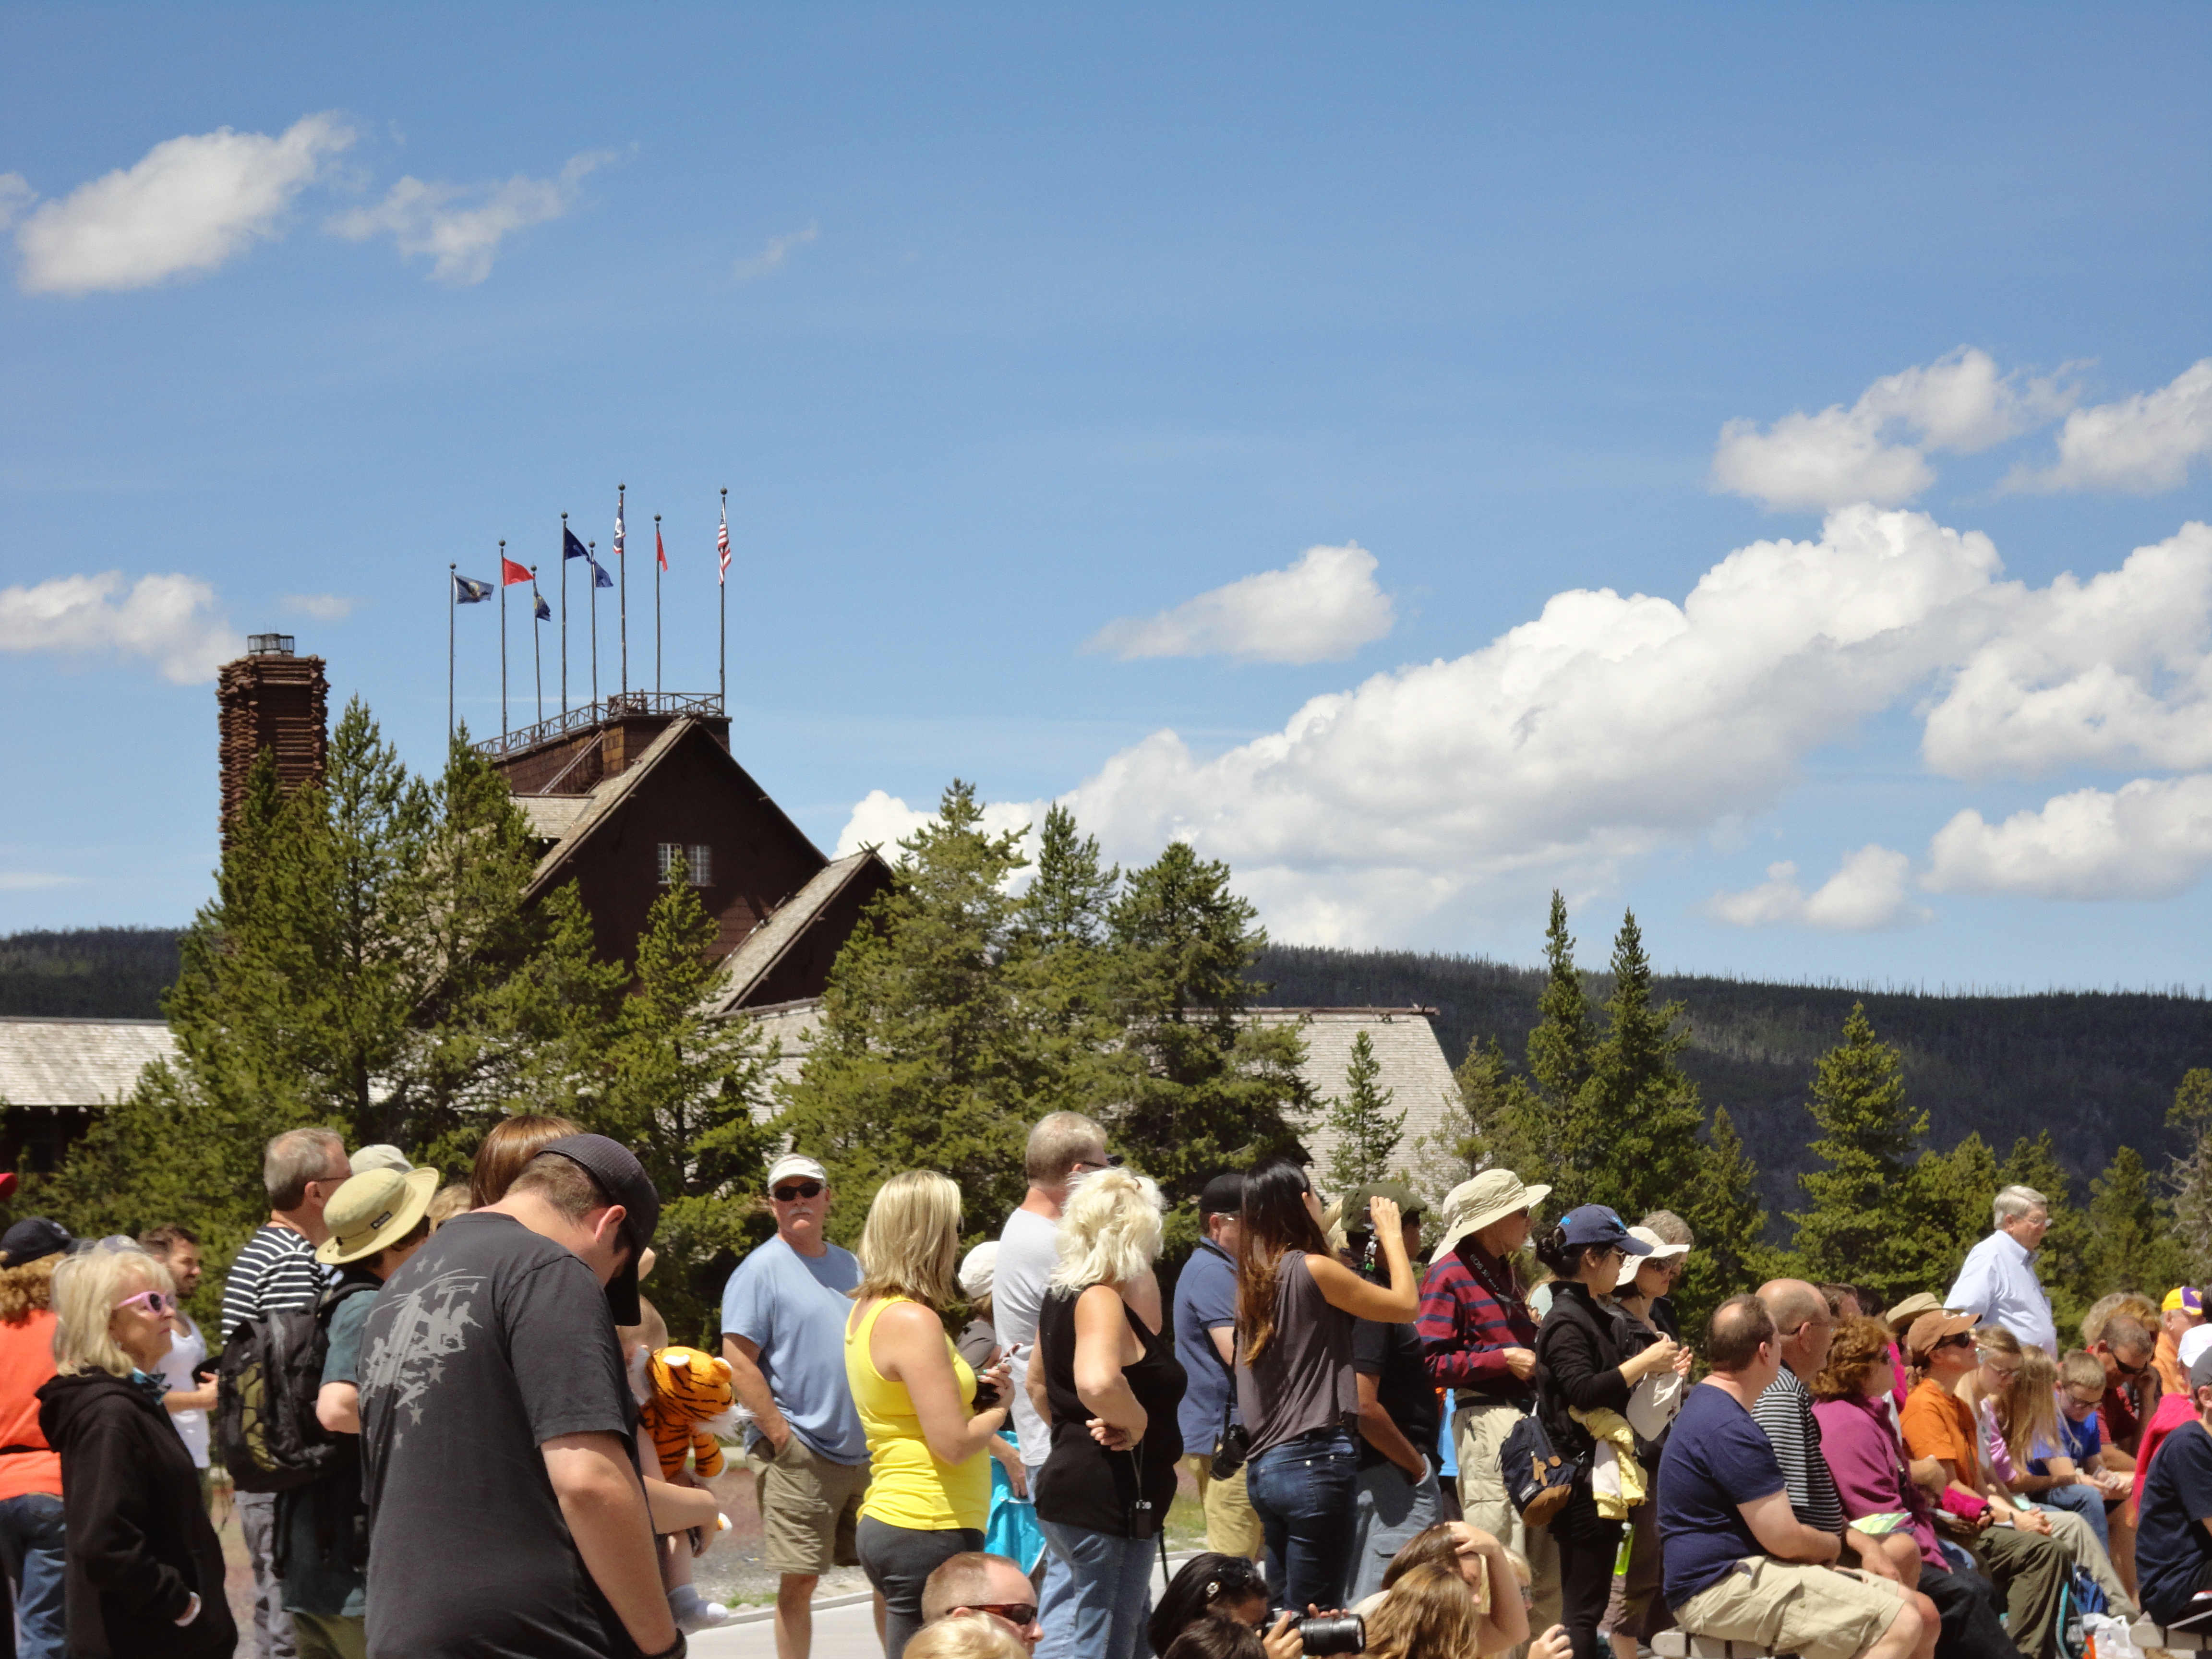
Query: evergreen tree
point(1367, 1130)
point(1466, 1138)
point(1541, 1122)
point(2190, 1177)
point(1638, 1115)
point(1062, 968)
point(922, 1060)
point(1858, 1226)
point(1721, 1203)
point(1206, 1089)
point(2130, 1239)
point(1947, 1197)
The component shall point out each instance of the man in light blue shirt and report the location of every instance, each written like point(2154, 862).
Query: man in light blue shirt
point(1997, 1285)
point(783, 1333)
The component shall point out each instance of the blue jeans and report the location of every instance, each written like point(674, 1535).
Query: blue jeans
point(2083, 1500)
point(32, 1545)
point(1304, 1493)
point(1110, 1582)
point(1391, 1509)
point(1055, 1589)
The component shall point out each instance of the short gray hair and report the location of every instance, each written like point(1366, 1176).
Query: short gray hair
point(1059, 1140)
point(2013, 1202)
point(294, 1158)
point(1670, 1227)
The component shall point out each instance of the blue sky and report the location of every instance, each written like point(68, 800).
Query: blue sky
point(1004, 327)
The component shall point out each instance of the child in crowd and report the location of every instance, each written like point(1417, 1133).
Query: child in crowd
point(682, 1529)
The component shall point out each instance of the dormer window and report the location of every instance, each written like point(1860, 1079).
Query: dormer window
point(698, 860)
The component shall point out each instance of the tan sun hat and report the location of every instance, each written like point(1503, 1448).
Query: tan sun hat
point(1919, 1303)
point(1661, 1251)
point(1490, 1196)
point(372, 1210)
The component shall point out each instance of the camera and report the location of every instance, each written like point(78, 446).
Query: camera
point(1334, 1632)
point(1144, 1519)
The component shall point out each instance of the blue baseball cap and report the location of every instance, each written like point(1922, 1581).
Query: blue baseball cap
point(1593, 1224)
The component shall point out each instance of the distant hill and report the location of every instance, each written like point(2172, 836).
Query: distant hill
point(2097, 1069)
point(113, 973)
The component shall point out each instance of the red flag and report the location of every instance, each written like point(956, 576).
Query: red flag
point(659, 551)
point(511, 572)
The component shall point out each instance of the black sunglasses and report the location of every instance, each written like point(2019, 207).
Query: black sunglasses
point(798, 1189)
point(1019, 1613)
point(1113, 1162)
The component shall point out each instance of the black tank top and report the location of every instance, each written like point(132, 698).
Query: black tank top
point(1083, 1484)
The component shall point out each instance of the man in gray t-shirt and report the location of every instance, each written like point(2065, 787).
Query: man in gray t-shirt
point(783, 1332)
point(1062, 1147)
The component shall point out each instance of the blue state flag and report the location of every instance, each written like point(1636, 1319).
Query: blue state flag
point(570, 547)
point(600, 577)
point(544, 611)
point(467, 591)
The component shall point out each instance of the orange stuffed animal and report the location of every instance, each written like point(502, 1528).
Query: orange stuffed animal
point(687, 1402)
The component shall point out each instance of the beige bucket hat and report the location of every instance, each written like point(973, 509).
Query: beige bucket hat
point(375, 1208)
point(1661, 1251)
point(1490, 1196)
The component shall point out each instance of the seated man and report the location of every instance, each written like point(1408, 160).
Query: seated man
point(2174, 1533)
point(1739, 1564)
point(976, 1582)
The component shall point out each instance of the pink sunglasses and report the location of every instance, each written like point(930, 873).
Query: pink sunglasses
point(159, 1304)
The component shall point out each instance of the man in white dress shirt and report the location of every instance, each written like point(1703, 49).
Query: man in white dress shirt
point(1998, 1283)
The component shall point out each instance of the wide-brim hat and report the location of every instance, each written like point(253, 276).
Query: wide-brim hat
point(1919, 1303)
point(1411, 1204)
point(1661, 1250)
point(1490, 1196)
point(374, 1210)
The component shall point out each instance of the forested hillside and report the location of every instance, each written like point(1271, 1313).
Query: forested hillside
point(2097, 1069)
point(113, 973)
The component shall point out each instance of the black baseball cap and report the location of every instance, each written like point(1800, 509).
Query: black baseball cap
point(1224, 1195)
point(624, 1181)
point(33, 1239)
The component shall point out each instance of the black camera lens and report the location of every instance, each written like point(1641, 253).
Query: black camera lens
point(1334, 1632)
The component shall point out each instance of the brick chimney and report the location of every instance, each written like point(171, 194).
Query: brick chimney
point(271, 699)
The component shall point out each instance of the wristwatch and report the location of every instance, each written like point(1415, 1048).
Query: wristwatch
point(676, 1651)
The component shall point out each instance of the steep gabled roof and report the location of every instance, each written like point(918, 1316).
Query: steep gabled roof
point(745, 968)
point(76, 1062)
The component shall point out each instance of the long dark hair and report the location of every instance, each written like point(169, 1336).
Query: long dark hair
point(1274, 1219)
point(1207, 1582)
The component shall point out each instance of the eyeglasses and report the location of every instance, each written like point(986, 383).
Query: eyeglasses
point(159, 1304)
point(795, 1191)
point(1021, 1614)
point(2097, 1398)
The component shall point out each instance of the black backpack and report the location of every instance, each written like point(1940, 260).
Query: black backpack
point(271, 1370)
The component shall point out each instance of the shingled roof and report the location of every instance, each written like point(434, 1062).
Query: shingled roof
point(54, 1063)
point(744, 969)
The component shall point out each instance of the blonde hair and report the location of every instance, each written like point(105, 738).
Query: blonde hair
point(1430, 1611)
point(2082, 1370)
point(1110, 1232)
point(2027, 1406)
point(1988, 1339)
point(911, 1245)
point(2134, 1303)
point(968, 1635)
point(26, 1290)
point(447, 1202)
point(1059, 1140)
point(87, 1287)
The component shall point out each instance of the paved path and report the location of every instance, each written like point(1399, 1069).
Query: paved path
point(845, 1632)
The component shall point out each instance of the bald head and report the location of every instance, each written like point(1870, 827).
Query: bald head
point(974, 1581)
point(1791, 1302)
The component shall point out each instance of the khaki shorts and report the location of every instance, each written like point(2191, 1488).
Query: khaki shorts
point(1784, 1607)
point(1232, 1527)
point(809, 1507)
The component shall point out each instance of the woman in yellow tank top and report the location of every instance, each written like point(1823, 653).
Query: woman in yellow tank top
point(929, 1473)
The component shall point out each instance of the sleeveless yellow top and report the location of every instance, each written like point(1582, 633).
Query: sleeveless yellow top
point(909, 1484)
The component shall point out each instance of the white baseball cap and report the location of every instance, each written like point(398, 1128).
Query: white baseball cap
point(796, 1164)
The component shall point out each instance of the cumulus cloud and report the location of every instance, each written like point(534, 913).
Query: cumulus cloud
point(882, 820)
point(773, 253)
point(1323, 607)
point(323, 607)
point(190, 204)
point(172, 622)
point(1876, 449)
point(1868, 891)
point(15, 195)
point(2148, 839)
point(461, 226)
point(2140, 444)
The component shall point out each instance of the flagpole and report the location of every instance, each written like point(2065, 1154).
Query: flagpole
point(621, 593)
point(536, 644)
point(656, 604)
point(593, 561)
point(452, 586)
point(722, 582)
point(564, 622)
point(502, 645)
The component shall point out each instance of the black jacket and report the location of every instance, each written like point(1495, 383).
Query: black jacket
point(1579, 1348)
point(139, 1543)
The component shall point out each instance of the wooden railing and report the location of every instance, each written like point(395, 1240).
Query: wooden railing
point(622, 705)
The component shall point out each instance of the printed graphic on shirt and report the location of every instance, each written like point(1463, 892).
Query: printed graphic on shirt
point(427, 1325)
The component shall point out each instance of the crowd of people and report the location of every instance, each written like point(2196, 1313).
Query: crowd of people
point(1510, 1449)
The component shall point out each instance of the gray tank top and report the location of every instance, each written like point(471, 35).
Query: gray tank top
point(1302, 1381)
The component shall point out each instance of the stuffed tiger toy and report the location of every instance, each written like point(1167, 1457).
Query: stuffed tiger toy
point(686, 1402)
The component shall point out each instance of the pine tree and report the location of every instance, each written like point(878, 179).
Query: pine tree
point(922, 1060)
point(1467, 1137)
point(1721, 1203)
point(1858, 1226)
point(1061, 969)
point(2190, 1177)
point(1638, 1115)
point(1367, 1130)
point(2130, 1240)
point(1541, 1120)
point(1947, 1197)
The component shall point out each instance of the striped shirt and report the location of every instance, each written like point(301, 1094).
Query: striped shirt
point(275, 1270)
point(1472, 1311)
point(1785, 1412)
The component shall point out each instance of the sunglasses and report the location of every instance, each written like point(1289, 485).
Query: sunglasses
point(1960, 1341)
point(796, 1190)
point(2126, 1369)
point(1021, 1614)
point(1113, 1162)
point(159, 1304)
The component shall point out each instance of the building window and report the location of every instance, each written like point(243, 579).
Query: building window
point(698, 860)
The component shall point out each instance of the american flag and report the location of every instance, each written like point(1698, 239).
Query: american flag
point(619, 527)
point(722, 543)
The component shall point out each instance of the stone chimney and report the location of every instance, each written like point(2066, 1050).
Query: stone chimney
point(271, 699)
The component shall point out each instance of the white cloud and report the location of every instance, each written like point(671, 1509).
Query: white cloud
point(2113, 671)
point(462, 226)
point(2141, 444)
point(882, 820)
point(323, 607)
point(171, 621)
point(17, 881)
point(1842, 456)
point(190, 204)
point(1867, 892)
point(15, 195)
point(2148, 839)
point(773, 253)
point(1323, 607)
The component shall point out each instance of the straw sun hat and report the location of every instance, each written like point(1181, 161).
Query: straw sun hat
point(1490, 1196)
